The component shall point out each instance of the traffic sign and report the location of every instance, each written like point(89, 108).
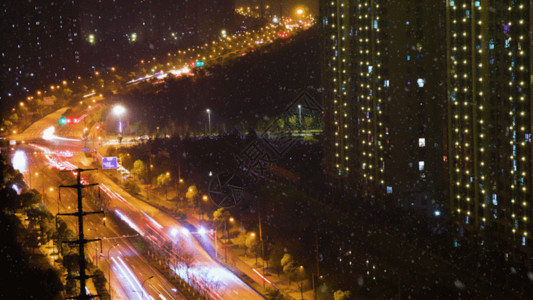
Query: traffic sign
point(109, 162)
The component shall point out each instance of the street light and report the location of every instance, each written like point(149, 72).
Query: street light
point(118, 111)
point(166, 194)
point(209, 119)
point(231, 219)
point(300, 115)
point(142, 285)
point(109, 270)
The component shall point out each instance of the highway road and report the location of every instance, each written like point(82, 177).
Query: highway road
point(128, 267)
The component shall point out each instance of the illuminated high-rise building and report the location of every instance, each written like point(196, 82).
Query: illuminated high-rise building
point(384, 99)
point(490, 119)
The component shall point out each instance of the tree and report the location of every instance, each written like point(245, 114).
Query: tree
point(289, 266)
point(132, 187)
point(67, 92)
point(14, 118)
point(71, 263)
point(125, 160)
point(191, 194)
point(281, 123)
point(29, 198)
point(10, 200)
point(163, 180)
point(187, 260)
point(99, 281)
point(275, 258)
point(221, 215)
point(292, 121)
point(240, 241)
point(32, 239)
point(111, 151)
point(308, 121)
point(139, 168)
point(342, 295)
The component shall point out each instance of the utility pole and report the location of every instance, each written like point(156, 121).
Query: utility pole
point(178, 196)
point(81, 238)
point(317, 265)
point(261, 237)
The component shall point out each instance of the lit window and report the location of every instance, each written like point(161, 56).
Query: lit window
point(420, 82)
point(386, 83)
point(389, 189)
point(421, 165)
point(422, 142)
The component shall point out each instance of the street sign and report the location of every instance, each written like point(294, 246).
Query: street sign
point(109, 162)
point(85, 149)
point(12, 142)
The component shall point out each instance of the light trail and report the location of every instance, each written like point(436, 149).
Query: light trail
point(20, 161)
point(49, 135)
point(129, 222)
point(152, 220)
point(131, 279)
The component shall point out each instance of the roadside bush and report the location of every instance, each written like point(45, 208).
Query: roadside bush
point(131, 187)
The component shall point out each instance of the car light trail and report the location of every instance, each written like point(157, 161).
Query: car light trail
point(129, 222)
point(48, 135)
point(264, 278)
point(20, 161)
point(153, 221)
point(114, 195)
point(126, 272)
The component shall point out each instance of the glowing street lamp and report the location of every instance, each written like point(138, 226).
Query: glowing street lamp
point(209, 119)
point(300, 114)
point(118, 111)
